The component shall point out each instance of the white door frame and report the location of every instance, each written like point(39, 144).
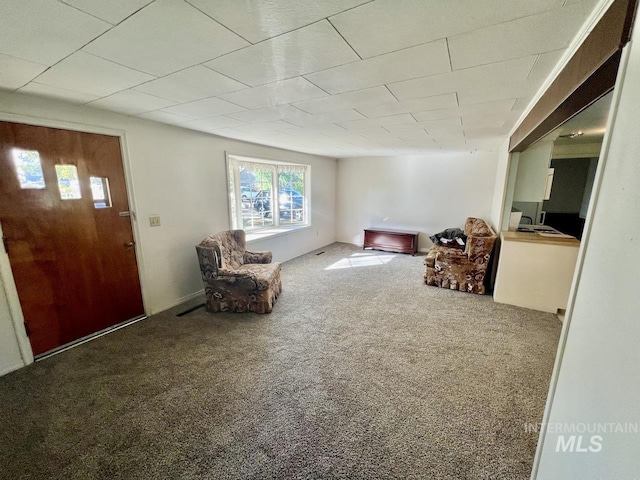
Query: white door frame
point(597, 184)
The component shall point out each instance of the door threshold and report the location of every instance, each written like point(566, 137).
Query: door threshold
point(87, 338)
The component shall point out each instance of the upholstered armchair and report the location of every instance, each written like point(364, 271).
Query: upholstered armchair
point(462, 269)
point(236, 280)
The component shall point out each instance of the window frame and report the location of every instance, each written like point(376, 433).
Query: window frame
point(234, 195)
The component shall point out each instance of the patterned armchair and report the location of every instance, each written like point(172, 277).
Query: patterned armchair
point(462, 269)
point(236, 280)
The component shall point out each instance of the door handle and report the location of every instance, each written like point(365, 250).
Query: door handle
point(129, 245)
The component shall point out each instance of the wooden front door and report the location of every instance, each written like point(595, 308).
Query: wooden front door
point(65, 220)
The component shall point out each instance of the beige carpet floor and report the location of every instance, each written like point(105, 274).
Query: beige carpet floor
point(360, 372)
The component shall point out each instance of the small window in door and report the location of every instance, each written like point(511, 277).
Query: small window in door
point(100, 192)
point(28, 168)
point(68, 182)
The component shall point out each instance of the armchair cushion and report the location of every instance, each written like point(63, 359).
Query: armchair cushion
point(257, 257)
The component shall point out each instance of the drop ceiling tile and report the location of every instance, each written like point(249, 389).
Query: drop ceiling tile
point(545, 63)
point(393, 143)
point(479, 120)
point(277, 93)
point(387, 25)
point(365, 132)
point(131, 102)
point(35, 88)
point(484, 75)
point(392, 120)
point(193, 83)
point(545, 32)
point(86, 73)
point(484, 132)
point(210, 124)
point(443, 137)
point(208, 107)
point(265, 126)
point(416, 136)
point(302, 51)
point(422, 143)
point(392, 67)
point(262, 19)
point(489, 144)
point(503, 106)
point(15, 72)
point(168, 36)
point(112, 11)
point(415, 128)
point(164, 117)
point(378, 137)
point(512, 118)
point(268, 114)
point(522, 103)
point(328, 129)
point(448, 100)
point(344, 101)
point(352, 138)
point(304, 119)
point(497, 92)
point(45, 31)
point(442, 124)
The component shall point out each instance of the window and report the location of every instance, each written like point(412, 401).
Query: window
point(100, 192)
point(266, 194)
point(68, 182)
point(28, 168)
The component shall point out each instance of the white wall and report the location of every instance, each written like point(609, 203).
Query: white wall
point(180, 175)
point(500, 190)
point(423, 193)
point(597, 377)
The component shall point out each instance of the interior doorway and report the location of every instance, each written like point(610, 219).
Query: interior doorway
point(67, 231)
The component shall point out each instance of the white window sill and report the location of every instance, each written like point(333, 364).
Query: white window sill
point(256, 236)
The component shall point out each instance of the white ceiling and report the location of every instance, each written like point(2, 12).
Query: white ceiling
point(341, 78)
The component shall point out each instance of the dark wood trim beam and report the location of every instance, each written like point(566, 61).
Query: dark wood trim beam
point(574, 89)
point(595, 87)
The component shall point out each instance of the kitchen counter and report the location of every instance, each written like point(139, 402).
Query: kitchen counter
point(540, 238)
point(535, 270)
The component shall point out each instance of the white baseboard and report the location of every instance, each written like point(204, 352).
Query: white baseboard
point(186, 298)
point(10, 369)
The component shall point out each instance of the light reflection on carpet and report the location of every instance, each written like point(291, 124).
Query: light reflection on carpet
point(361, 260)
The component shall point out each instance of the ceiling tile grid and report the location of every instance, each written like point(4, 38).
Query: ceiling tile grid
point(164, 37)
point(337, 77)
point(112, 11)
point(193, 83)
point(306, 50)
point(86, 73)
point(132, 102)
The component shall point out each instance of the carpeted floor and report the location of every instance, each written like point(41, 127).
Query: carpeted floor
point(360, 372)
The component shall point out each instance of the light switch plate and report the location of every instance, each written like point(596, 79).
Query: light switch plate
point(154, 220)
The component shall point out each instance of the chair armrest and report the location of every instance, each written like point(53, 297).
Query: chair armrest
point(257, 257)
point(208, 258)
point(479, 248)
point(231, 276)
point(438, 252)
